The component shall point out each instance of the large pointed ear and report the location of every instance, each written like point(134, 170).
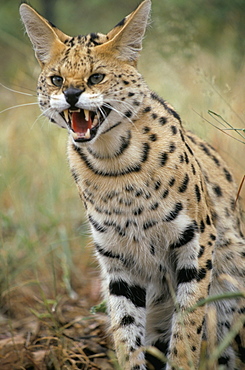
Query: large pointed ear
point(46, 39)
point(125, 40)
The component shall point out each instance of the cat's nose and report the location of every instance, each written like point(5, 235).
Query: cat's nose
point(72, 96)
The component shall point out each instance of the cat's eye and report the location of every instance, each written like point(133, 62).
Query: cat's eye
point(96, 78)
point(57, 81)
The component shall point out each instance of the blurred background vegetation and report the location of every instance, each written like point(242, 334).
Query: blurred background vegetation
point(193, 56)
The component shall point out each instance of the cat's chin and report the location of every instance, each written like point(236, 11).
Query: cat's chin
point(83, 138)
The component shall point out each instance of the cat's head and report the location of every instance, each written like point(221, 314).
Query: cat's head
point(88, 84)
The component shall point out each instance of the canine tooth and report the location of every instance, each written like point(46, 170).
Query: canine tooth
point(66, 115)
point(95, 121)
point(86, 114)
point(74, 135)
point(87, 135)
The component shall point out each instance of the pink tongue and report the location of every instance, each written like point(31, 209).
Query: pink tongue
point(79, 124)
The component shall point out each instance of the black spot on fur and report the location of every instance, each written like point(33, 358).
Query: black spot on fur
point(181, 158)
point(186, 275)
point(75, 175)
point(171, 182)
point(193, 169)
point(145, 152)
point(146, 130)
point(127, 320)
point(128, 114)
point(223, 360)
point(134, 293)
point(138, 342)
point(154, 206)
point(164, 104)
point(208, 221)
point(189, 149)
point(138, 211)
point(217, 190)
point(163, 157)
point(227, 175)
point(184, 184)
point(202, 226)
point(162, 120)
point(199, 329)
point(209, 265)
point(201, 251)
point(153, 137)
point(96, 225)
point(147, 109)
point(207, 151)
point(172, 147)
point(174, 130)
point(186, 158)
point(157, 184)
point(186, 237)
point(198, 194)
point(165, 193)
point(174, 212)
point(152, 249)
point(201, 274)
point(148, 224)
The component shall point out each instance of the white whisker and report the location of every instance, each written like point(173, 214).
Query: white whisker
point(18, 106)
point(121, 114)
point(16, 91)
point(102, 112)
point(40, 115)
point(123, 103)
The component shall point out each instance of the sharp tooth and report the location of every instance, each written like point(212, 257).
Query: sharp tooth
point(74, 135)
point(87, 135)
point(66, 115)
point(95, 121)
point(86, 114)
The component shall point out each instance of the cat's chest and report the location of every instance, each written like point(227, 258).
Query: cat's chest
point(126, 219)
point(132, 214)
point(127, 227)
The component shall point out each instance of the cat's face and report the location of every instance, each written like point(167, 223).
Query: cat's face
point(88, 91)
point(89, 84)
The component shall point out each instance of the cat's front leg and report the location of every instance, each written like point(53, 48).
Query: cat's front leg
point(193, 277)
point(126, 300)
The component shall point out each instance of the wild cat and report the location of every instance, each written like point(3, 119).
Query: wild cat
point(159, 200)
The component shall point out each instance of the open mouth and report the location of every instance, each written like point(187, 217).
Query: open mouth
point(83, 123)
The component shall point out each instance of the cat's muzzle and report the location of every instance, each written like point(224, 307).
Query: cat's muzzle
point(83, 123)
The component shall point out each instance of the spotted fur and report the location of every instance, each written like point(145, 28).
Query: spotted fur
point(160, 201)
